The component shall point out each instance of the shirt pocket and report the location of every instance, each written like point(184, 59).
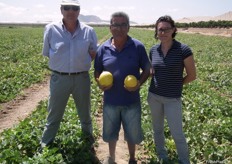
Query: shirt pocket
point(57, 47)
point(82, 57)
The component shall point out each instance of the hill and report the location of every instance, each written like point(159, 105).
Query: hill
point(226, 16)
point(92, 19)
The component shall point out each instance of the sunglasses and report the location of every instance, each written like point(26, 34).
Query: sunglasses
point(74, 8)
point(123, 25)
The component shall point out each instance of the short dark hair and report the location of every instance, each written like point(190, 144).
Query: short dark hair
point(168, 19)
point(120, 14)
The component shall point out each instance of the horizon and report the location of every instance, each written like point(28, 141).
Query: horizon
point(26, 11)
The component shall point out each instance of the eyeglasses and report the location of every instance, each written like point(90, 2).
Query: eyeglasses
point(122, 25)
point(74, 8)
point(165, 30)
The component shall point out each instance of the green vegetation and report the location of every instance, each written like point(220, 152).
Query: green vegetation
point(21, 62)
point(207, 102)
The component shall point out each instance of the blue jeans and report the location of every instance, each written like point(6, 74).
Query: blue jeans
point(128, 116)
point(171, 108)
point(61, 87)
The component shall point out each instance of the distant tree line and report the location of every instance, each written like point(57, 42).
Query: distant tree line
point(201, 24)
point(208, 24)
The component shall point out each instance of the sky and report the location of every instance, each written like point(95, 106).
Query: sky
point(139, 11)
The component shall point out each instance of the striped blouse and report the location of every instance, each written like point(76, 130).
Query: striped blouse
point(168, 78)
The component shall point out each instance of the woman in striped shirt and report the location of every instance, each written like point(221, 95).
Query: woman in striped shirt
point(169, 59)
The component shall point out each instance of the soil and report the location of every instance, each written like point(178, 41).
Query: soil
point(22, 106)
point(226, 32)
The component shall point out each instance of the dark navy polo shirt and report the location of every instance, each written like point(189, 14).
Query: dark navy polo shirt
point(129, 61)
point(168, 78)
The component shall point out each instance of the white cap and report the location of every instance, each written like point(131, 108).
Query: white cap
point(70, 2)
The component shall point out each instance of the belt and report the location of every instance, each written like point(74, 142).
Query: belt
point(69, 73)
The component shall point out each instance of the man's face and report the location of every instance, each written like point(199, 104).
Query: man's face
point(119, 27)
point(70, 13)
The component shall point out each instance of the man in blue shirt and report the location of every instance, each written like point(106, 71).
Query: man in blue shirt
point(122, 55)
point(70, 46)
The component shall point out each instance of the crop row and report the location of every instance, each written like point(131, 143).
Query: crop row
point(20, 62)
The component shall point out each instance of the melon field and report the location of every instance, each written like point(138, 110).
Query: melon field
point(207, 102)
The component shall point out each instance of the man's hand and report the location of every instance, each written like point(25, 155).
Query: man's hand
point(102, 87)
point(92, 54)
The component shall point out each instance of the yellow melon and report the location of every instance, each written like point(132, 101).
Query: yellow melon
point(106, 79)
point(130, 81)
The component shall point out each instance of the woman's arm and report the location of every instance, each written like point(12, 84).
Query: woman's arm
point(190, 69)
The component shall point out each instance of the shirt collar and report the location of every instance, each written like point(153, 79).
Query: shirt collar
point(174, 43)
point(64, 28)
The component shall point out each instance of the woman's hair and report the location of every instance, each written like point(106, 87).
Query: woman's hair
point(168, 19)
point(120, 14)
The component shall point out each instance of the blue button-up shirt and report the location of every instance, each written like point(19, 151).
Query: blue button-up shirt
point(69, 52)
